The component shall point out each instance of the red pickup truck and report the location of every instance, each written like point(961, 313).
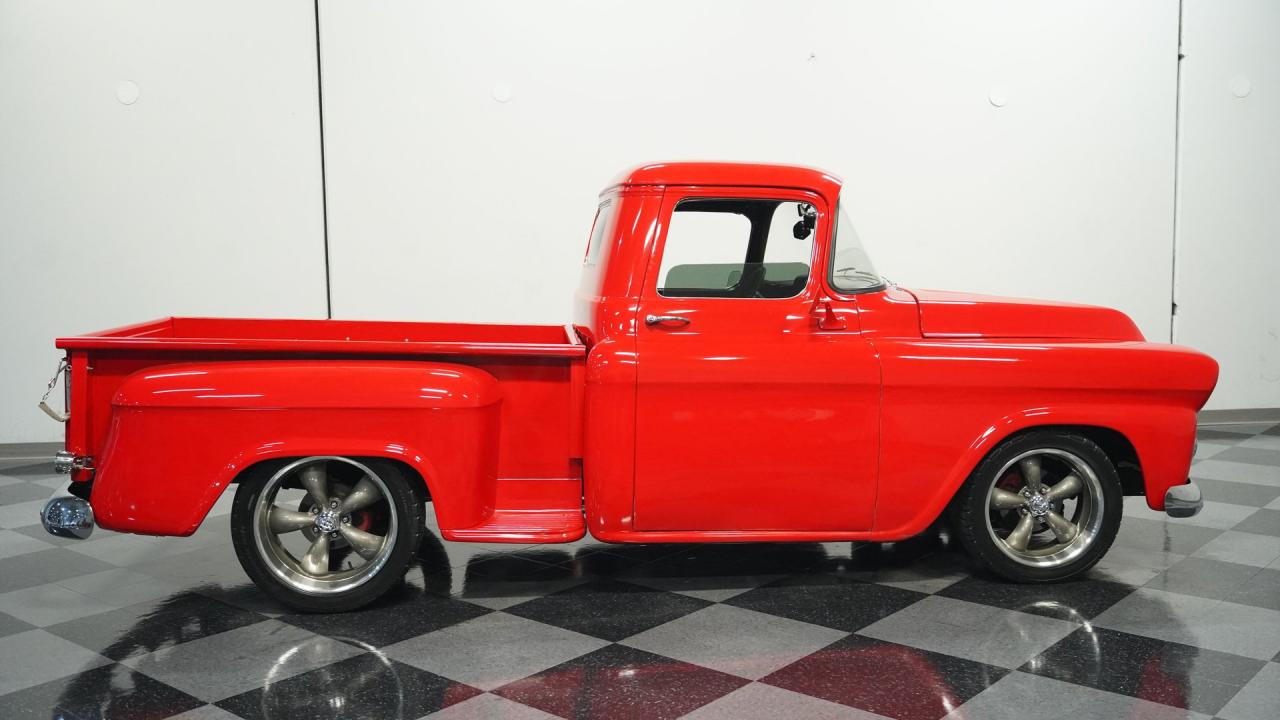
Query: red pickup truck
point(736, 371)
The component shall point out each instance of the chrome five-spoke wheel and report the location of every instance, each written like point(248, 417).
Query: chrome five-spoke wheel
point(1046, 507)
point(1042, 506)
point(324, 532)
point(335, 517)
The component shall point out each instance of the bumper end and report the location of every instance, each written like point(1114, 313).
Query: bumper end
point(69, 517)
point(1183, 501)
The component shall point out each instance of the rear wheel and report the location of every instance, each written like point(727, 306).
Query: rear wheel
point(1041, 507)
point(326, 533)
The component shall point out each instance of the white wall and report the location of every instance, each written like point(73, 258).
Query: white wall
point(465, 144)
point(201, 197)
point(1229, 185)
point(1064, 192)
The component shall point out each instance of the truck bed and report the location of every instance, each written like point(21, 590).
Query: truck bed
point(328, 337)
point(539, 369)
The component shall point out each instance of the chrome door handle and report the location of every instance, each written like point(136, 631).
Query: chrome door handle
point(660, 319)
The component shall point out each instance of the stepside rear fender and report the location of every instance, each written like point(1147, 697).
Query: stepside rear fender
point(179, 434)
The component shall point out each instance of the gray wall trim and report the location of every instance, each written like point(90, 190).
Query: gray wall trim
point(38, 450)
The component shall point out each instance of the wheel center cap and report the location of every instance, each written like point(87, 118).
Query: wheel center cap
point(1039, 505)
point(328, 520)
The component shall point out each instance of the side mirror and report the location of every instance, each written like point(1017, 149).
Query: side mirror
point(808, 220)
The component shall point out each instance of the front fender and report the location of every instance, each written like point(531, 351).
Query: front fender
point(946, 404)
point(179, 434)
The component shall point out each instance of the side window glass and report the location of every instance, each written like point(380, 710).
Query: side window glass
point(737, 248)
point(597, 255)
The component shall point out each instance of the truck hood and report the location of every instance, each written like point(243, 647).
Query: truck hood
point(962, 315)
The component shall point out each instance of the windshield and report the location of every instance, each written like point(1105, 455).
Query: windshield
point(851, 268)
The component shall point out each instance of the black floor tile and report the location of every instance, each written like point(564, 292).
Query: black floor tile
point(728, 559)
point(1262, 522)
point(1252, 455)
point(29, 469)
point(1158, 535)
point(554, 554)
point(519, 568)
point(244, 595)
point(775, 558)
point(601, 562)
point(608, 609)
point(1167, 673)
point(399, 615)
point(1070, 600)
point(10, 625)
point(365, 687)
point(110, 692)
point(886, 678)
point(905, 553)
point(834, 602)
point(618, 683)
point(1208, 435)
point(146, 627)
point(46, 566)
point(1236, 493)
point(506, 577)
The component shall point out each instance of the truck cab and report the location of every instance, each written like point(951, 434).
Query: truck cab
point(750, 387)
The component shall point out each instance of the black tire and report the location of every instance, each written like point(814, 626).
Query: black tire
point(409, 529)
point(979, 525)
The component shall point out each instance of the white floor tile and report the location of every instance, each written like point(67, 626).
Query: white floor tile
point(987, 634)
point(480, 653)
point(21, 514)
point(1200, 622)
point(1241, 547)
point(765, 702)
point(1259, 700)
point(14, 543)
point(734, 640)
point(120, 587)
point(35, 657)
point(44, 605)
point(489, 707)
point(1237, 472)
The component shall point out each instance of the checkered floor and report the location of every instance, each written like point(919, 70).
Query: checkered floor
point(1182, 619)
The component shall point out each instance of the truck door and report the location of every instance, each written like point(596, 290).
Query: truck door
point(757, 404)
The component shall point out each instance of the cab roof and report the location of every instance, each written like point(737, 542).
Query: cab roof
point(736, 174)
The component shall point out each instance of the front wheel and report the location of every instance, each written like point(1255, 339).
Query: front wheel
point(1041, 507)
point(326, 533)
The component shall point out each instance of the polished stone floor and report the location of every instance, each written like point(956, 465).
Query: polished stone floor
point(1182, 619)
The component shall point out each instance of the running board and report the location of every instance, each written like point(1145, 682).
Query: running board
point(530, 511)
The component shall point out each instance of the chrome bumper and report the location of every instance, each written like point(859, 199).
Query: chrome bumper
point(67, 517)
point(1183, 501)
